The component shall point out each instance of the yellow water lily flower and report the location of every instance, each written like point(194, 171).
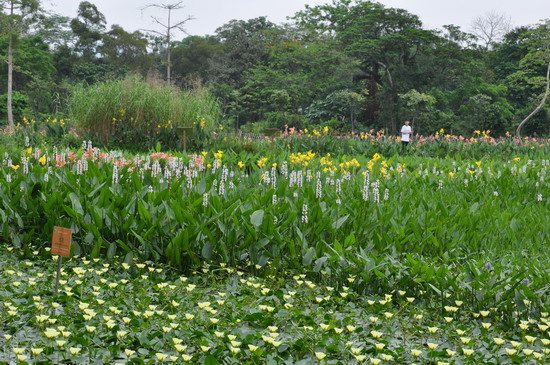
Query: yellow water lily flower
point(320, 355)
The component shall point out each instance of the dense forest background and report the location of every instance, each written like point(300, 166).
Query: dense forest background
point(351, 65)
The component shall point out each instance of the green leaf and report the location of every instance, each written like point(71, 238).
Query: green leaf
point(211, 360)
point(309, 256)
point(340, 221)
point(257, 218)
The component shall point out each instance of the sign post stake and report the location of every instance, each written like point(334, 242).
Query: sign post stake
point(59, 259)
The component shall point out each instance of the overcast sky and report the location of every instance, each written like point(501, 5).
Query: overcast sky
point(210, 14)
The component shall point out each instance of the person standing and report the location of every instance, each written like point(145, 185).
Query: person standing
point(406, 132)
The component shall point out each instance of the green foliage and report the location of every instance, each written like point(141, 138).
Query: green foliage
point(21, 107)
point(140, 312)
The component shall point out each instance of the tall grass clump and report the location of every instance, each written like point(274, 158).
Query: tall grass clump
point(140, 113)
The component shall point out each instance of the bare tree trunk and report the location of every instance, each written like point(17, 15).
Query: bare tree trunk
point(539, 107)
point(169, 48)
point(10, 83)
point(10, 78)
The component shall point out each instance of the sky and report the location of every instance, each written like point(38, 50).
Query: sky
point(210, 14)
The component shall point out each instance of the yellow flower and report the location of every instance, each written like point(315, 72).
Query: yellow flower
point(467, 352)
point(21, 357)
point(320, 355)
point(74, 350)
point(376, 334)
point(432, 346)
point(416, 353)
point(380, 346)
point(15, 167)
point(160, 356)
point(252, 348)
point(18, 350)
point(51, 333)
point(42, 160)
point(432, 329)
point(36, 351)
point(499, 341)
point(511, 352)
point(129, 352)
point(387, 357)
point(186, 358)
point(205, 348)
point(240, 164)
point(374, 361)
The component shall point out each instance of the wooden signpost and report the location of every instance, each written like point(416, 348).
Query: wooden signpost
point(61, 246)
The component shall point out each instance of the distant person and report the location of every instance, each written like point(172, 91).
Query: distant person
point(406, 132)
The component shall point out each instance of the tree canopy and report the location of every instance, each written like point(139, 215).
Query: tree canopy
point(349, 63)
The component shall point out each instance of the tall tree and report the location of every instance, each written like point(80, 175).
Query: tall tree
point(169, 27)
point(18, 14)
point(246, 43)
point(89, 27)
point(491, 27)
point(193, 55)
point(387, 42)
point(126, 49)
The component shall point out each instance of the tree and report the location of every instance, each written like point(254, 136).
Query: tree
point(88, 26)
point(307, 70)
point(55, 30)
point(353, 102)
point(491, 27)
point(18, 13)
point(34, 71)
point(193, 55)
point(246, 44)
point(540, 50)
point(168, 28)
point(386, 41)
point(417, 104)
point(521, 63)
point(125, 49)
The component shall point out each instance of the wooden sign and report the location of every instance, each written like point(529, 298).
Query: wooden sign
point(61, 241)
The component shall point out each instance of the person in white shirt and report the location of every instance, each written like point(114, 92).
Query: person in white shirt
point(406, 134)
